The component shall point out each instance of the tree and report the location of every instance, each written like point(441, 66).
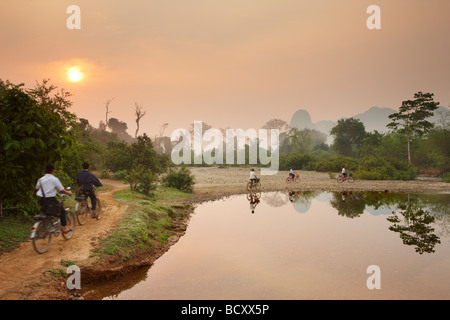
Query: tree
point(108, 102)
point(411, 118)
point(276, 124)
point(348, 136)
point(35, 126)
point(302, 141)
point(139, 115)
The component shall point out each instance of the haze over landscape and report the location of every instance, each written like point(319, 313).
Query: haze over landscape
point(229, 63)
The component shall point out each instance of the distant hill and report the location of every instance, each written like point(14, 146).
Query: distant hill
point(375, 118)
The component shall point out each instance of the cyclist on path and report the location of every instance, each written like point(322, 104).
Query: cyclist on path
point(88, 181)
point(47, 187)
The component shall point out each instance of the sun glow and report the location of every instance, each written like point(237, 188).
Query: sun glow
point(74, 74)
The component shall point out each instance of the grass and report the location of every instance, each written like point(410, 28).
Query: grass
point(14, 229)
point(146, 222)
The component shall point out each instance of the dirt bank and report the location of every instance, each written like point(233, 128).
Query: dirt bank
point(24, 274)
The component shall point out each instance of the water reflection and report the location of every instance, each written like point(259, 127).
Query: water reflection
point(414, 226)
point(254, 198)
point(273, 252)
point(349, 204)
point(410, 214)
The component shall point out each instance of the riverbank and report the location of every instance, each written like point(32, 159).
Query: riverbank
point(24, 274)
point(214, 183)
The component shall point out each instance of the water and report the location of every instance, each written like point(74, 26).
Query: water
point(307, 245)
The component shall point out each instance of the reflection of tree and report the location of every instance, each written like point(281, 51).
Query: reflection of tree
point(275, 199)
point(348, 204)
point(414, 228)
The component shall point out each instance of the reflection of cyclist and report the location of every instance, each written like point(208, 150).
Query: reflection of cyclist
point(87, 180)
point(291, 196)
point(254, 200)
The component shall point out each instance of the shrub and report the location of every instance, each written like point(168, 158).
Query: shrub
point(335, 164)
point(297, 161)
point(120, 175)
point(378, 168)
point(181, 179)
point(142, 179)
point(446, 177)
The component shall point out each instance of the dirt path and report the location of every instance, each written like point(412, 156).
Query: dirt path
point(23, 271)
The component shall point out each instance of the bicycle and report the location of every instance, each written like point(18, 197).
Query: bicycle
point(82, 209)
point(296, 179)
point(254, 185)
point(48, 226)
point(343, 178)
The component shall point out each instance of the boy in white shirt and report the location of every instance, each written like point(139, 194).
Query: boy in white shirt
point(47, 187)
point(253, 177)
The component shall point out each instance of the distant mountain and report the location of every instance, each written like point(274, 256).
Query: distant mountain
point(375, 118)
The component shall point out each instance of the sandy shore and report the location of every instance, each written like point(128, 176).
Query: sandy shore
point(214, 183)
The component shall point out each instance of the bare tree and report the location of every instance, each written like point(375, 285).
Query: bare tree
point(139, 115)
point(162, 129)
point(107, 109)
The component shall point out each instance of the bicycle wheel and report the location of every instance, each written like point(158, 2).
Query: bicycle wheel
point(257, 186)
point(339, 179)
point(249, 186)
point(70, 224)
point(350, 179)
point(42, 236)
point(81, 211)
point(297, 179)
point(98, 209)
point(288, 180)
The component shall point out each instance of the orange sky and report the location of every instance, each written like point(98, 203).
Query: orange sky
point(233, 63)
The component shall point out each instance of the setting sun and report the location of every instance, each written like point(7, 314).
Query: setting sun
point(74, 74)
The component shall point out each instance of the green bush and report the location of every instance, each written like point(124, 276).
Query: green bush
point(142, 179)
point(297, 161)
point(379, 168)
point(446, 177)
point(181, 179)
point(120, 175)
point(335, 164)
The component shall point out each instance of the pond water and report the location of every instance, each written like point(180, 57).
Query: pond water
point(303, 245)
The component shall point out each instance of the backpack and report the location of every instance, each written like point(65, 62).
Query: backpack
point(79, 192)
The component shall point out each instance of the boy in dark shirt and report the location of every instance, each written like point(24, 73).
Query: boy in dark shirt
point(88, 181)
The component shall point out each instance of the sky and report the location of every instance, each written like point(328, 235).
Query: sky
point(233, 63)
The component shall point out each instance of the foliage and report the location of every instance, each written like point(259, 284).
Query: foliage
point(335, 164)
point(35, 128)
point(411, 118)
point(297, 161)
point(302, 141)
point(378, 168)
point(181, 179)
point(120, 175)
point(348, 136)
point(142, 179)
point(446, 177)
